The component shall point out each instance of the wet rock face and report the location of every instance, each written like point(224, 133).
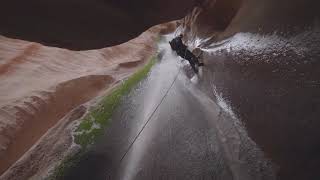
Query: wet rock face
point(263, 62)
point(85, 24)
point(272, 85)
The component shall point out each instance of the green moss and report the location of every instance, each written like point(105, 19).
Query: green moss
point(94, 123)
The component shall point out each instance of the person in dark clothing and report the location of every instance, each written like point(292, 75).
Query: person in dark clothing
point(182, 50)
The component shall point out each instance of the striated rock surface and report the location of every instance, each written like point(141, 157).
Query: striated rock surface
point(40, 85)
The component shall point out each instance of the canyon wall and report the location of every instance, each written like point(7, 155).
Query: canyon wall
point(40, 85)
point(262, 59)
point(218, 20)
point(261, 43)
point(85, 24)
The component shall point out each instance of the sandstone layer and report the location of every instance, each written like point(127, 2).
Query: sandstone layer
point(40, 85)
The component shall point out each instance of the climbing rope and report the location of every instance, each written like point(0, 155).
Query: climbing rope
point(163, 98)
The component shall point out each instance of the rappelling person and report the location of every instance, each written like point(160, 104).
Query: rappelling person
point(182, 50)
